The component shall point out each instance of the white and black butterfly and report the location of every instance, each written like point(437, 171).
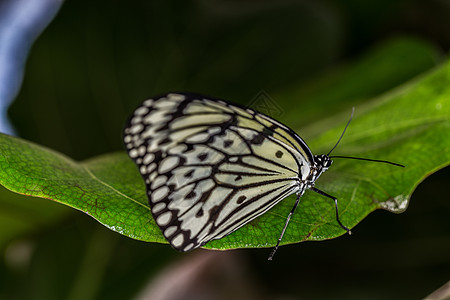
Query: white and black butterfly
point(211, 167)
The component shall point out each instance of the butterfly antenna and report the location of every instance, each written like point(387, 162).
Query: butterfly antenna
point(369, 159)
point(359, 158)
point(340, 138)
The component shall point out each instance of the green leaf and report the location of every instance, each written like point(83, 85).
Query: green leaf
point(410, 125)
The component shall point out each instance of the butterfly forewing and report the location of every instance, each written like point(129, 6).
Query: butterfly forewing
point(211, 167)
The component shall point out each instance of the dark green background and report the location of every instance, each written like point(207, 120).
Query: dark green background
point(99, 59)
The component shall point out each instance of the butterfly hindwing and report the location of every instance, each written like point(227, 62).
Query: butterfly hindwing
point(211, 167)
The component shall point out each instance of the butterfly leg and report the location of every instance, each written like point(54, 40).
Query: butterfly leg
point(284, 229)
point(335, 204)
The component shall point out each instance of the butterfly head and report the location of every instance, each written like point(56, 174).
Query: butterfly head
point(322, 162)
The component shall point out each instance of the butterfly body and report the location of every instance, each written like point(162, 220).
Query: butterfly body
point(211, 167)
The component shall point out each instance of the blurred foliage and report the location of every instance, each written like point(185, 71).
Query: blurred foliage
point(99, 59)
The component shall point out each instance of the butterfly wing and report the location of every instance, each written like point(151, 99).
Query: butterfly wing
point(211, 167)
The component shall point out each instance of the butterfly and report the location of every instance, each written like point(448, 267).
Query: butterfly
point(210, 166)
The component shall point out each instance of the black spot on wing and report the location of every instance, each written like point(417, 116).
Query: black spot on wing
point(241, 199)
point(214, 211)
point(227, 143)
point(164, 141)
point(190, 195)
point(189, 174)
point(268, 131)
point(258, 139)
point(202, 156)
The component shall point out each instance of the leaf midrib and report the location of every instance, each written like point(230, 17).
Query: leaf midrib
point(92, 175)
